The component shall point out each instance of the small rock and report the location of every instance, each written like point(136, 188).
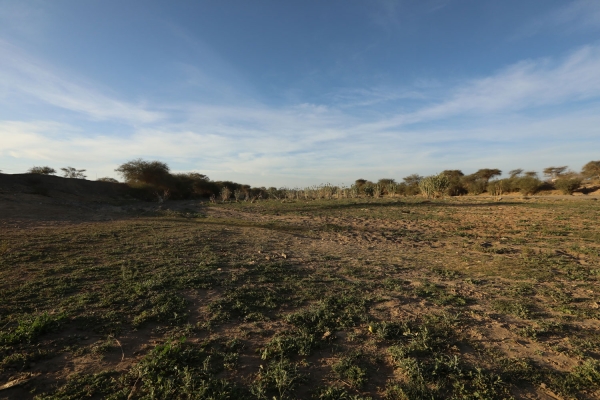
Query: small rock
point(283, 255)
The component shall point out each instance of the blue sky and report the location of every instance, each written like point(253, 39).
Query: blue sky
point(300, 92)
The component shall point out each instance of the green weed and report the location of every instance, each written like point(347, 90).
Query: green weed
point(349, 370)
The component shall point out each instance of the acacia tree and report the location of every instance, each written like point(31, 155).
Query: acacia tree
point(412, 180)
point(453, 174)
point(42, 170)
point(486, 173)
point(515, 172)
point(70, 172)
point(554, 172)
point(591, 169)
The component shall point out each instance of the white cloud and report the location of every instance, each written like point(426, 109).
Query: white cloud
point(312, 143)
point(525, 85)
point(364, 97)
point(23, 75)
point(262, 157)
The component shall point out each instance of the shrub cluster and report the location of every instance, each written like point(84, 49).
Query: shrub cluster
point(154, 178)
point(568, 185)
point(150, 179)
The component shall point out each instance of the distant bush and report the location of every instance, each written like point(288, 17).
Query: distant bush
point(474, 184)
point(154, 173)
point(42, 170)
point(591, 170)
point(388, 186)
point(368, 189)
point(407, 190)
point(499, 186)
point(70, 172)
point(487, 173)
point(527, 185)
point(568, 185)
point(455, 187)
point(152, 179)
point(192, 184)
point(411, 185)
point(515, 172)
point(107, 179)
point(434, 186)
point(554, 172)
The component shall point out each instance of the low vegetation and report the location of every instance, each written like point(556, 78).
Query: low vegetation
point(153, 180)
point(357, 298)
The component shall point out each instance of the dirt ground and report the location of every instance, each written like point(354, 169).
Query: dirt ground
point(103, 296)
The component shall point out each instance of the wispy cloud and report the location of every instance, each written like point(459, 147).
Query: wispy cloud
point(308, 143)
point(23, 75)
point(576, 16)
point(362, 97)
point(523, 86)
point(319, 152)
point(21, 19)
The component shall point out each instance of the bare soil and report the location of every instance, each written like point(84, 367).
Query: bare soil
point(381, 298)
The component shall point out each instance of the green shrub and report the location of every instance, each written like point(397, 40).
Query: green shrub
point(369, 189)
point(527, 185)
point(80, 386)
point(474, 184)
point(31, 327)
point(499, 187)
point(181, 370)
point(567, 185)
point(348, 368)
point(277, 381)
point(591, 170)
point(407, 190)
point(434, 186)
point(410, 186)
point(455, 187)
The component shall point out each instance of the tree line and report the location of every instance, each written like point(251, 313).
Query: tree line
point(154, 179)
